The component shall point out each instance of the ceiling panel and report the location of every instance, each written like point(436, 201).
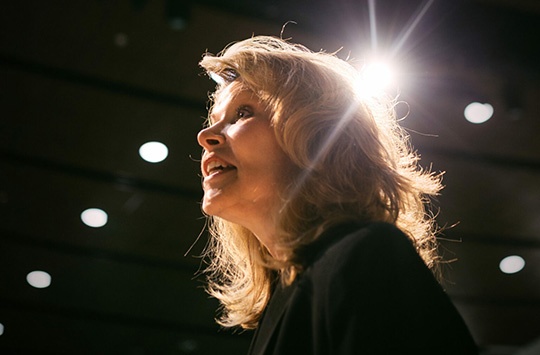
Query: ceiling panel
point(98, 130)
point(51, 333)
point(85, 83)
point(45, 206)
point(488, 198)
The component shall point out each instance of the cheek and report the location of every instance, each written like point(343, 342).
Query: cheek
point(257, 148)
point(280, 170)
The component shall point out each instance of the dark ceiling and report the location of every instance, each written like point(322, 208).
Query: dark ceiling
point(84, 83)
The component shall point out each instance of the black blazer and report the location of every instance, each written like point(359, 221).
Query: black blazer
point(365, 291)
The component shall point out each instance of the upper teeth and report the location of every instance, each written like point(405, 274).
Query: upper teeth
point(213, 165)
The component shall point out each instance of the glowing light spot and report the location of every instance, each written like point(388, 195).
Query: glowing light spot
point(512, 264)
point(476, 112)
point(1, 329)
point(94, 217)
point(39, 279)
point(153, 152)
point(374, 79)
point(177, 23)
point(188, 346)
point(121, 39)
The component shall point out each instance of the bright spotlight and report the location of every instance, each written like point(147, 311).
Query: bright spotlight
point(475, 112)
point(153, 152)
point(374, 79)
point(39, 279)
point(94, 217)
point(512, 264)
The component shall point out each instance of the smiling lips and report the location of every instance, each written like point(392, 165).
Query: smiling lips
point(215, 166)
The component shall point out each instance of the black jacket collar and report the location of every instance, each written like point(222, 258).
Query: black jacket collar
point(281, 295)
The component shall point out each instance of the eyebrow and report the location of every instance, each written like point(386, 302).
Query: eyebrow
point(247, 102)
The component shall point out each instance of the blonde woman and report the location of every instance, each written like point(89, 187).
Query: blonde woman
point(320, 237)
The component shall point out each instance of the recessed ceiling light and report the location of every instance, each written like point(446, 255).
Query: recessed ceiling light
point(512, 264)
point(94, 217)
point(153, 152)
point(188, 346)
point(121, 39)
point(39, 279)
point(476, 112)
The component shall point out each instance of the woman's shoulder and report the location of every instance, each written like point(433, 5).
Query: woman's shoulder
point(373, 267)
point(372, 253)
point(373, 240)
point(375, 234)
point(370, 282)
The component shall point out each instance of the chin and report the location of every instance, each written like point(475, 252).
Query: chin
point(210, 208)
point(207, 208)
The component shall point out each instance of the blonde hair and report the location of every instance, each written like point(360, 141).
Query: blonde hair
point(354, 164)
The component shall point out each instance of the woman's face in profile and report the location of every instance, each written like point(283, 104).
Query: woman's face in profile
point(244, 169)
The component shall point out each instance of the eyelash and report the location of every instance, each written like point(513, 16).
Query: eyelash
point(243, 112)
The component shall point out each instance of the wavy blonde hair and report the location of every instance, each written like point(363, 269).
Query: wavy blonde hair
point(354, 164)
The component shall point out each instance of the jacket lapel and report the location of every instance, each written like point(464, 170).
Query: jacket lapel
point(268, 325)
point(271, 319)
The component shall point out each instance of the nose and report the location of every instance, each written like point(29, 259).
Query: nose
point(210, 137)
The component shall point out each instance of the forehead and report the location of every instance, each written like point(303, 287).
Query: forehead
point(234, 93)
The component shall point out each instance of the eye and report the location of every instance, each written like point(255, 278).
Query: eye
point(243, 112)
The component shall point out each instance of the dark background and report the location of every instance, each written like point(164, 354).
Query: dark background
point(84, 83)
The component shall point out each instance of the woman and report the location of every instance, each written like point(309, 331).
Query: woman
point(320, 237)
